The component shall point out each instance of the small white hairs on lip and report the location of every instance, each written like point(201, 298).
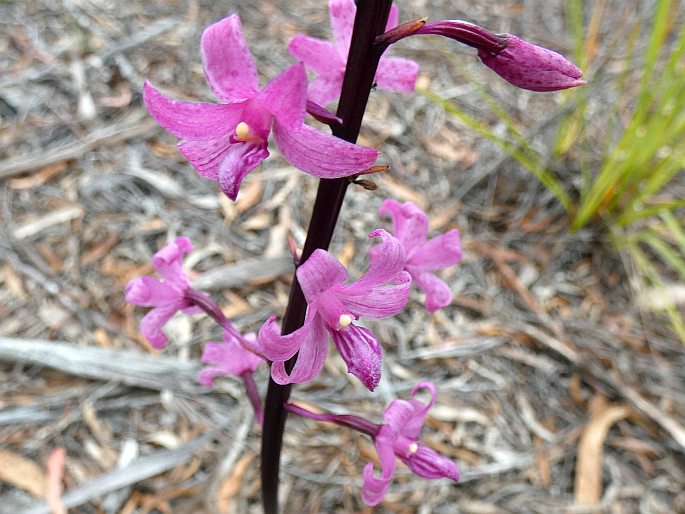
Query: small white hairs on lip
point(345, 320)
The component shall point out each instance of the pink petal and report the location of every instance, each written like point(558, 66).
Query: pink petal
point(310, 359)
point(439, 252)
point(393, 18)
point(397, 74)
point(191, 120)
point(228, 65)
point(277, 347)
point(386, 265)
point(226, 162)
point(207, 375)
point(320, 272)
point(374, 488)
point(412, 428)
point(380, 301)
point(361, 352)
point(398, 415)
point(438, 293)
point(410, 224)
point(322, 155)
point(168, 261)
point(150, 292)
point(324, 90)
point(152, 323)
point(428, 463)
point(405, 417)
point(342, 13)
point(318, 55)
point(286, 97)
point(229, 358)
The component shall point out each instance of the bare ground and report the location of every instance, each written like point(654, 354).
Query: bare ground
point(557, 393)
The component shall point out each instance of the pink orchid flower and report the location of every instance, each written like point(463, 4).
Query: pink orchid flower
point(232, 357)
point(398, 437)
point(332, 308)
point(225, 141)
point(410, 226)
point(329, 60)
point(167, 296)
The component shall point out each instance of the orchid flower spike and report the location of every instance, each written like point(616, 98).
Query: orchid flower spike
point(398, 437)
point(166, 296)
point(232, 357)
point(332, 309)
point(410, 226)
point(225, 141)
point(329, 60)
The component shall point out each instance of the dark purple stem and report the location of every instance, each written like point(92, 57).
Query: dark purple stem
point(362, 61)
point(345, 420)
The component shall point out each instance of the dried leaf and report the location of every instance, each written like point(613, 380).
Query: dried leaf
point(22, 473)
point(588, 483)
point(232, 484)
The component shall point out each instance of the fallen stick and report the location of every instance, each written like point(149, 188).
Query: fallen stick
point(138, 369)
point(111, 135)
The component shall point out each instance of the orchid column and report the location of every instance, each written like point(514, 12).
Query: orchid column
point(370, 21)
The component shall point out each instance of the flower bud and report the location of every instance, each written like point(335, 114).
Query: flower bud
point(532, 67)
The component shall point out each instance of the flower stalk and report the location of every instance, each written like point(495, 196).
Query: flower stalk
point(362, 62)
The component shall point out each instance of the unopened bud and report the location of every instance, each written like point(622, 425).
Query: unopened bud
point(532, 67)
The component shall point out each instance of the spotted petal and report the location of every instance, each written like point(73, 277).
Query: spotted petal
point(361, 351)
point(342, 13)
point(427, 463)
point(286, 97)
point(321, 56)
point(397, 74)
point(191, 120)
point(322, 155)
point(324, 90)
point(226, 162)
point(229, 68)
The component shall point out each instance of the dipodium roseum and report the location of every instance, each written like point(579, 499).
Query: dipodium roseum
point(225, 141)
point(166, 296)
point(410, 226)
point(398, 437)
point(332, 308)
point(329, 60)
